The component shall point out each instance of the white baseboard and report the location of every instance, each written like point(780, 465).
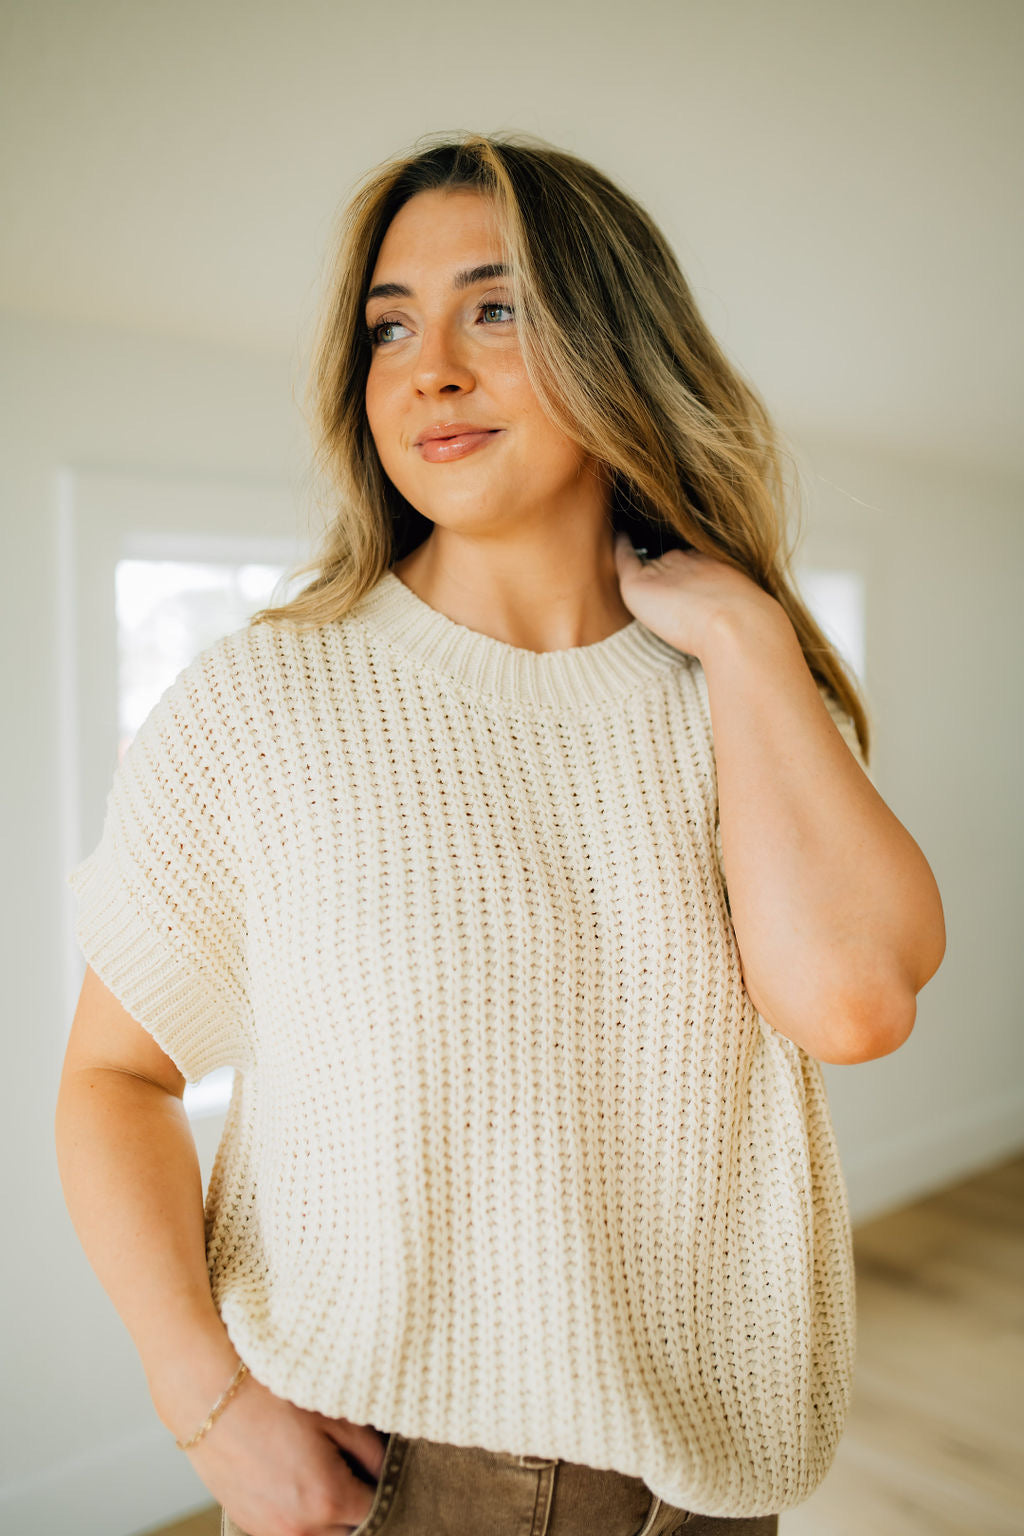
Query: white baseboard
point(116, 1490)
point(928, 1158)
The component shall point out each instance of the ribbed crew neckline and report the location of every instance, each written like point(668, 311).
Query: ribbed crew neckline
point(572, 678)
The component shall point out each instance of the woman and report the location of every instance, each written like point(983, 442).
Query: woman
point(525, 883)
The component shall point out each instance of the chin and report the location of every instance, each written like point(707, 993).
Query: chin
point(469, 508)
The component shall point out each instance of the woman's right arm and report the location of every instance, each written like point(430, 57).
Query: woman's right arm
point(133, 1188)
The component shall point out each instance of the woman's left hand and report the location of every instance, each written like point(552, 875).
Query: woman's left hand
point(682, 596)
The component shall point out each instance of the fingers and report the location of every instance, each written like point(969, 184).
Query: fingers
point(358, 1506)
point(625, 555)
point(364, 1443)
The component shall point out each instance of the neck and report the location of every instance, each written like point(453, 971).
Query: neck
point(522, 600)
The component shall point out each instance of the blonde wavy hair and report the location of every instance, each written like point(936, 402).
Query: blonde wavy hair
point(619, 358)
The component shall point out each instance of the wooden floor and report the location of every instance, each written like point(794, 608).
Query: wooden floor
point(935, 1440)
point(934, 1444)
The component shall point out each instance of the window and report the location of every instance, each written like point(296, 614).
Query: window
point(170, 610)
point(836, 600)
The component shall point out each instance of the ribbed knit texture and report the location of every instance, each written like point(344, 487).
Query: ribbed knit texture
point(511, 1160)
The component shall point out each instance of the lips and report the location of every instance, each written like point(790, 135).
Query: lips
point(447, 429)
point(457, 444)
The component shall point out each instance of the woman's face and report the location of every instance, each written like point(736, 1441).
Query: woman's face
point(445, 352)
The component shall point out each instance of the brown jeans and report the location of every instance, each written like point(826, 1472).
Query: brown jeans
point(429, 1489)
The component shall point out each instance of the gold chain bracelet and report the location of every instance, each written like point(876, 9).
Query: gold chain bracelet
point(221, 1403)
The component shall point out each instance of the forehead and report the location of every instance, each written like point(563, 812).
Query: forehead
point(438, 229)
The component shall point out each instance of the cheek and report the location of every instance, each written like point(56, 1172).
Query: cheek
point(518, 394)
point(509, 381)
point(559, 451)
point(380, 416)
point(374, 399)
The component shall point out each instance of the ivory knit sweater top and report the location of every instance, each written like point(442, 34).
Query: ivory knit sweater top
point(511, 1160)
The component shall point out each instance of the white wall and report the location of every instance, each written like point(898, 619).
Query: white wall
point(942, 548)
point(83, 1450)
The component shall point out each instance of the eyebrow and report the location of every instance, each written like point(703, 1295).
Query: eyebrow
point(464, 279)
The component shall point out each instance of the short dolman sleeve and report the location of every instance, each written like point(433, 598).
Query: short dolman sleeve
point(161, 899)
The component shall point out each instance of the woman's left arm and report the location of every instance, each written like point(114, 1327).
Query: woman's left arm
point(837, 914)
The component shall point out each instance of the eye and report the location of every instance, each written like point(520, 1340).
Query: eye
point(373, 335)
point(375, 338)
point(496, 304)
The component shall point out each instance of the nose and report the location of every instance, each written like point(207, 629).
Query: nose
point(440, 367)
